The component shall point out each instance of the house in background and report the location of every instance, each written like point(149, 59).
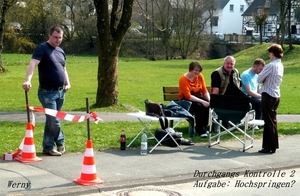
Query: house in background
point(272, 22)
point(256, 7)
point(227, 17)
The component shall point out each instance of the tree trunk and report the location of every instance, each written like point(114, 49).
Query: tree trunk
point(6, 5)
point(111, 30)
point(107, 91)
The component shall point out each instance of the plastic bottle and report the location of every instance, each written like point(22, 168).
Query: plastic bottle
point(144, 144)
point(123, 141)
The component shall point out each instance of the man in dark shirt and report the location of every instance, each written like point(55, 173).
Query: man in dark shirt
point(226, 81)
point(53, 84)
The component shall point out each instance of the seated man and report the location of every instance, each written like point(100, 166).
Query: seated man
point(226, 81)
point(250, 86)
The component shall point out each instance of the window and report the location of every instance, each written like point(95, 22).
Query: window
point(214, 21)
point(231, 8)
point(269, 27)
point(241, 8)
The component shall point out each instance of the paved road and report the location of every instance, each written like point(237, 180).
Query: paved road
point(285, 182)
point(165, 168)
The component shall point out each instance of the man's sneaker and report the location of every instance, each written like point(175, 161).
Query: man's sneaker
point(61, 149)
point(54, 153)
point(204, 135)
point(256, 127)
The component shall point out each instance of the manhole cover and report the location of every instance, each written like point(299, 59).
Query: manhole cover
point(147, 192)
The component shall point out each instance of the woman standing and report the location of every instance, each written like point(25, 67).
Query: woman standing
point(271, 78)
point(192, 87)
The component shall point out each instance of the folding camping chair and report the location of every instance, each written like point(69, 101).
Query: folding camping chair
point(237, 111)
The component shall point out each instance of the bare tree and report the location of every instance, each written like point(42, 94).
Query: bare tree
point(5, 6)
point(260, 18)
point(79, 18)
point(159, 15)
point(165, 23)
point(290, 4)
point(112, 23)
point(289, 7)
point(69, 22)
point(211, 8)
point(285, 17)
point(189, 19)
point(177, 23)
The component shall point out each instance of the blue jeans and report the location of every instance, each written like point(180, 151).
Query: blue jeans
point(53, 133)
point(256, 106)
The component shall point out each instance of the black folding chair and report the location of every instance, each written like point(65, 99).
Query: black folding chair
point(236, 110)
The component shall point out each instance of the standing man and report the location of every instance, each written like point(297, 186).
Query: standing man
point(53, 84)
point(271, 78)
point(250, 86)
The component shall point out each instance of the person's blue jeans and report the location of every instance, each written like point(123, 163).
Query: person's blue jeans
point(53, 133)
point(256, 106)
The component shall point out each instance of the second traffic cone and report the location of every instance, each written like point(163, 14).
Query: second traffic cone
point(88, 174)
point(11, 156)
point(28, 151)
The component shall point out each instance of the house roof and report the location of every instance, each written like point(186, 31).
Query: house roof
point(273, 10)
point(220, 4)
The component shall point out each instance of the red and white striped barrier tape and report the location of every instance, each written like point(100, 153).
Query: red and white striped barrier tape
point(55, 113)
point(65, 116)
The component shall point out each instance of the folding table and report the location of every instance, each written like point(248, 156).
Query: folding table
point(146, 120)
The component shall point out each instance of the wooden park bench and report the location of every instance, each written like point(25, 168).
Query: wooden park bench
point(172, 93)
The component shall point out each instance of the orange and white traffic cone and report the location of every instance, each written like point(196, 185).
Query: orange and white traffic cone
point(28, 151)
point(88, 174)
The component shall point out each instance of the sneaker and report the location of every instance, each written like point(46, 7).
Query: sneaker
point(256, 127)
point(204, 135)
point(54, 153)
point(61, 149)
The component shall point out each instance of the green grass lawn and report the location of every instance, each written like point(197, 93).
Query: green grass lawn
point(138, 80)
point(106, 135)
